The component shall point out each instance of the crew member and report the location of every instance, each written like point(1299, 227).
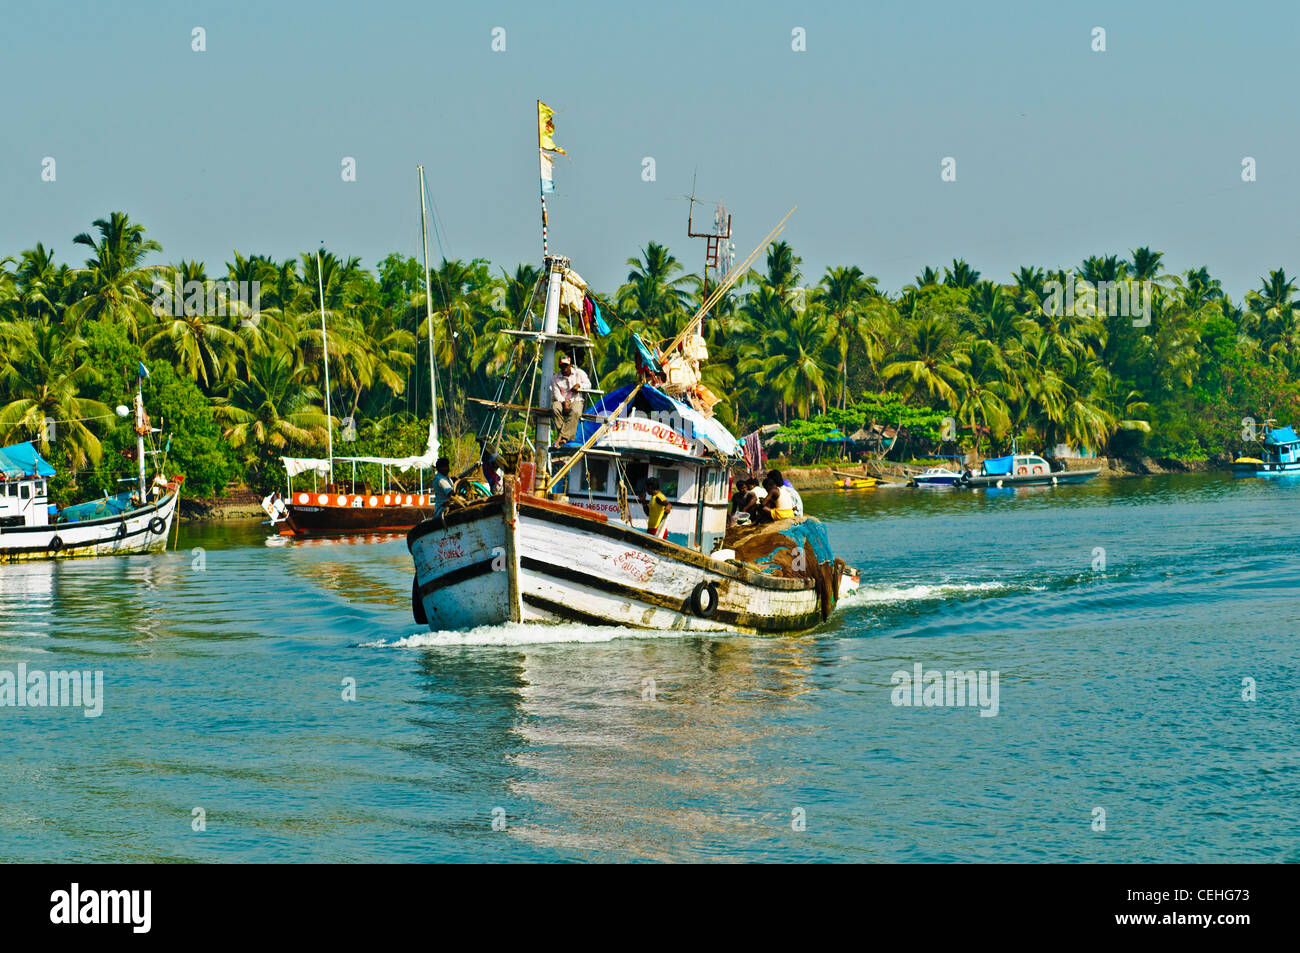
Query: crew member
point(567, 387)
point(443, 486)
point(656, 509)
point(778, 504)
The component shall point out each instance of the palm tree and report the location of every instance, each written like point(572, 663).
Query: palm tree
point(930, 366)
point(789, 361)
point(43, 384)
point(960, 275)
point(115, 278)
point(274, 409)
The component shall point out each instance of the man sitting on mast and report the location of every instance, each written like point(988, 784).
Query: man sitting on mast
point(566, 399)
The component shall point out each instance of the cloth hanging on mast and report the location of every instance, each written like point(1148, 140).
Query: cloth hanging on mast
point(548, 171)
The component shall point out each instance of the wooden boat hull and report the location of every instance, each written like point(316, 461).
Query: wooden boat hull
point(1056, 478)
point(142, 530)
point(536, 560)
point(321, 514)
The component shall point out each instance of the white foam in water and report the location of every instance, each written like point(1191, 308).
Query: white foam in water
point(873, 594)
point(518, 633)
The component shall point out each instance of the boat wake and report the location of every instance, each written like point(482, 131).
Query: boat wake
point(872, 595)
point(516, 633)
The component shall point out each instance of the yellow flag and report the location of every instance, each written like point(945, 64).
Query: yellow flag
point(546, 128)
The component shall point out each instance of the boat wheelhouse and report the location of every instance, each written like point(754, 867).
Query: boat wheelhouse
point(1280, 456)
point(655, 436)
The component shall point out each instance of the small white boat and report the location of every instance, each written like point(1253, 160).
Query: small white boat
point(936, 477)
point(123, 524)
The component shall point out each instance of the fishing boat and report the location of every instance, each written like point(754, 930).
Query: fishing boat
point(935, 477)
point(359, 509)
point(560, 540)
point(1280, 456)
point(1022, 469)
point(130, 522)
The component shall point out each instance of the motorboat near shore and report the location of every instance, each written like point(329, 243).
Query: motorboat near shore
point(120, 524)
point(935, 477)
point(1280, 456)
point(1022, 469)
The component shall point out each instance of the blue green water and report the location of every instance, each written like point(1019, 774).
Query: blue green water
point(1120, 688)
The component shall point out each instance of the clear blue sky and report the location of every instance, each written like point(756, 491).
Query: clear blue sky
point(1061, 152)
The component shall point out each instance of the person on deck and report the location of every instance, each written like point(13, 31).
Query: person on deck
point(778, 504)
point(443, 486)
point(656, 509)
point(567, 388)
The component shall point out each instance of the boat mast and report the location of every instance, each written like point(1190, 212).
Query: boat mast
point(428, 313)
point(329, 417)
point(140, 429)
point(555, 266)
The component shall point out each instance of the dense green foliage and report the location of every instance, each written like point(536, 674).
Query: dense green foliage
point(237, 388)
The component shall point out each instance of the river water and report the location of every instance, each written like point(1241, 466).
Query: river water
point(1143, 632)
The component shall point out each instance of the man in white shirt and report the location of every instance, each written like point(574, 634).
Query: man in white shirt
point(444, 488)
point(566, 399)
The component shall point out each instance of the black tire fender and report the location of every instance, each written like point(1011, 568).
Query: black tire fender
point(417, 604)
point(121, 530)
point(157, 526)
point(55, 544)
point(702, 608)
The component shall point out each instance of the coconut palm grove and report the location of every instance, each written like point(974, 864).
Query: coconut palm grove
point(239, 383)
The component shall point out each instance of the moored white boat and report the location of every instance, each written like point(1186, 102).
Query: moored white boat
point(124, 524)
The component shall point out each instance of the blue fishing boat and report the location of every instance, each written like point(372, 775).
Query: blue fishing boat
point(1281, 456)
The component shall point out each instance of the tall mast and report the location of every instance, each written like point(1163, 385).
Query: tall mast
point(428, 313)
point(555, 266)
point(139, 436)
point(325, 344)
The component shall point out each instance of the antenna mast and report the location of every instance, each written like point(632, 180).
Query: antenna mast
point(718, 250)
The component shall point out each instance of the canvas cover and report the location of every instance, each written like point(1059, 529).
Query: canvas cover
point(22, 460)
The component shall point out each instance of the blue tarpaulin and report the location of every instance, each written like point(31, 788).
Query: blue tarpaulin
point(1283, 435)
point(22, 460)
point(998, 466)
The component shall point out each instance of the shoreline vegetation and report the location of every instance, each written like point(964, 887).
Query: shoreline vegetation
point(1116, 357)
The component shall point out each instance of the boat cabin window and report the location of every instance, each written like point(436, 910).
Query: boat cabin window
point(25, 490)
point(667, 480)
point(594, 477)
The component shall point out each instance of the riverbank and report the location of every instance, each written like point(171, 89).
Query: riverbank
point(241, 504)
point(820, 476)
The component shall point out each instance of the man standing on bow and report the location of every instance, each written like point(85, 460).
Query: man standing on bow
point(567, 387)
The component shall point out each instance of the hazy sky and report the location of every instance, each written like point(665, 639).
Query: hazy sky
point(1060, 151)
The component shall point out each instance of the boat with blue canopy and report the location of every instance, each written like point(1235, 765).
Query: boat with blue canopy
point(1022, 469)
point(129, 522)
point(1279, 456)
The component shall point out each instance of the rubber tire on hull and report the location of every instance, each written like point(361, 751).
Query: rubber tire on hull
point(55, 544)
point(157, 526)
point(417, 606)
point(697, 600)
